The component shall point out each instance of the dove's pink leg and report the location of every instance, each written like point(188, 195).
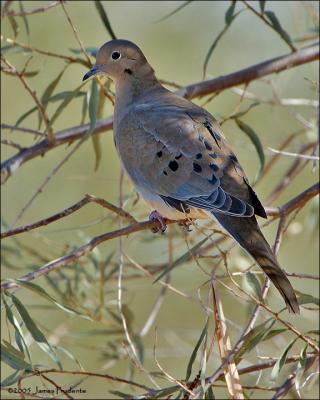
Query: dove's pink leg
point(154, 215)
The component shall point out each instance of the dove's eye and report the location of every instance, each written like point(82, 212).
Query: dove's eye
point(116, 55)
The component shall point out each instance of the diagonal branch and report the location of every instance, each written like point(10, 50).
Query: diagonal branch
point(203, 88)
point(71, 257)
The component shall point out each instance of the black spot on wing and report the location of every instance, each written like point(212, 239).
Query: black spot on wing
point(207, 145)
point(177, 204)
point(197, 168)
point(213, 155)
point(165, 173)
point(173, 165)
point(198, 156)
point(178, 156)
point(214, 167)
point(159, 154)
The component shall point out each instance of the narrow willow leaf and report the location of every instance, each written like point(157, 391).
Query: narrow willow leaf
point(84, 110)
point(70, 355)
point(195, 350)
point(93, 108)
point(301, 368)
point(104, 18)
point(216, 41)
point(183, 258)
point(14, 359)
point(273, 333)
point(57, 97)
point(252, 285)
point(174, 11)
point(20, 340)
point(262, 4)
point(281, 361)
point(304, 298)
point(48, 92)
point(209, 395)
point(40, 291)
point(278, 28)
point(254, 337)
point(25, 20)
point(92, 51)
point(67, 100)
point(244, 112)
point(229, 13)
point(122, 395)
point(36, 333)
point(14, 25)
point(11, 379)
point(257, 144)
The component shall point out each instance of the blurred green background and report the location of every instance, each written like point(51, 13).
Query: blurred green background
point(176, 47)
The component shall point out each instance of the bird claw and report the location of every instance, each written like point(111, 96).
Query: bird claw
point(186, 225)
point(155, 216)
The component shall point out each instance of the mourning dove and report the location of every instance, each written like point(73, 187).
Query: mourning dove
point(178, 159)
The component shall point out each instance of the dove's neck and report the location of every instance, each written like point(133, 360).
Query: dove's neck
point(133, 89)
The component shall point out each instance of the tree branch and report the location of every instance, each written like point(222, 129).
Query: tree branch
point(275, 65)
point(287, 208)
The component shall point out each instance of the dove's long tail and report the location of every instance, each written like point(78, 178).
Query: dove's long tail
point(247, 233)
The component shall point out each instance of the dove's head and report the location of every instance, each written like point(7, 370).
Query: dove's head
point(120, 59)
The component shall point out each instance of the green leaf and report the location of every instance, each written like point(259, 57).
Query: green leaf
point(20, 340)
point(209, 395)
point(229, 13)
point(67, 100)
point(183, 258)
point(304, 298)
point(11, 379)
point(93, 100)
point(255, 336)
point(262, 4)
point(257, 144)
point(90, 50)
point(252, 285)
point(14, 358)
point(48, 92)
point(281, 361)
point(24, 17)
point(301, 367)
point(174, 11)
point(40, 291)
point(104, 18)
point(122, 395)
point(216, 41)
point(273, 333)
point(195, 350)
point(244, 112)
point(14, 25)
point(57, 97)
point(278, 28)
point(36, 333)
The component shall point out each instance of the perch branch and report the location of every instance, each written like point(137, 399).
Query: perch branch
point(297, 202)
point(275, 65)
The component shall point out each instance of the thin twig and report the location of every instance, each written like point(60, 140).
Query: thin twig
point(39, 105)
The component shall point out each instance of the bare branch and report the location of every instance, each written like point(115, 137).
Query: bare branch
point(276, 65)
point(70, 210)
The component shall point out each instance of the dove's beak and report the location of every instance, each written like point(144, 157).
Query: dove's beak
point(91, 72)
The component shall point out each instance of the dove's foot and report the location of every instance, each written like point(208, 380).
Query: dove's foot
point(186, 224)
point(154, 215)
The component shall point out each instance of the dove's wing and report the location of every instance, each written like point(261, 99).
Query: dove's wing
point(184, 158)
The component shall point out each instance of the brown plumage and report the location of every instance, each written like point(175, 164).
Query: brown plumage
point(177, 157)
